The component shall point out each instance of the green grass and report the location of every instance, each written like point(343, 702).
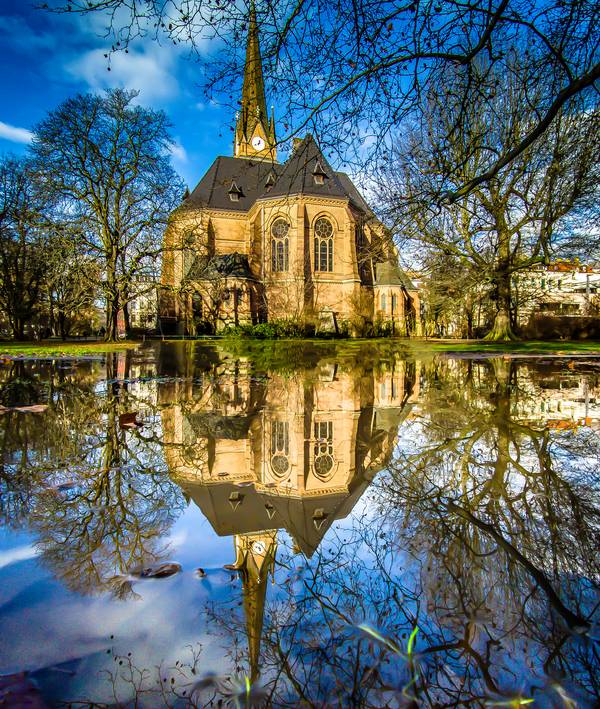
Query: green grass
point(521, 347)
point(58, 349)
point(287, 354)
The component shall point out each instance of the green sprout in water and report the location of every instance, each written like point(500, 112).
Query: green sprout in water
point(513, 703)
point(410, 647)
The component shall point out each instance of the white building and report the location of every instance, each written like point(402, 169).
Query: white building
point(562, 288)
point(143, 308)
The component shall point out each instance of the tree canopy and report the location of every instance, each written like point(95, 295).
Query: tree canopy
point(354, 72)
point(106, 162)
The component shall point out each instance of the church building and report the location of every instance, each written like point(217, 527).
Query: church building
point(258, 240)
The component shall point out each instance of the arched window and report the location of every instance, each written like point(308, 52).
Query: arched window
point(323, 450)
point(280, 448)
point(323, 245)
point(280, 245)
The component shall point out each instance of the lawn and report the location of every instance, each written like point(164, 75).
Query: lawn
point(61, 349)
point(521, 347)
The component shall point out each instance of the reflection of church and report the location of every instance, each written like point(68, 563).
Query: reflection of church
point(258, 240)
point(293, 453)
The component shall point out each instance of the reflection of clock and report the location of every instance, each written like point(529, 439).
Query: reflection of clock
point(258, 143)
point(259, 547)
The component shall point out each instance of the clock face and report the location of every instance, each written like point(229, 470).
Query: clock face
point(259, 548)
point(258, 143)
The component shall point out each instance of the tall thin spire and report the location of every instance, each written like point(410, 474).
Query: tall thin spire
point(253, 91)
point(254, 132)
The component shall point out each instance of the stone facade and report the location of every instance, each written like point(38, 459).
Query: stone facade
point(259, 240)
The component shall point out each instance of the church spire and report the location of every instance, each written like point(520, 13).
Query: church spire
point(254, 132)
point(255, 560)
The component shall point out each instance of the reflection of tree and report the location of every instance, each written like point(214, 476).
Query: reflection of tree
point(484, 538)
point(34, 445)
point(509, 556)
point(90, 489)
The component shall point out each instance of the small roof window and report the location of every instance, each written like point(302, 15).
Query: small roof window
point(270, 181)
point(319, 174)
point(235, 192)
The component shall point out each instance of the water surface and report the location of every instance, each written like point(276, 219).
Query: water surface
point(354, 527)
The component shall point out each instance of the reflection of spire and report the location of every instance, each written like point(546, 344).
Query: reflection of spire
point(254, 559)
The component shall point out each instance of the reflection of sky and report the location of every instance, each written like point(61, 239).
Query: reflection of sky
point(51, 631)
point(57, 633)
point(62, 626)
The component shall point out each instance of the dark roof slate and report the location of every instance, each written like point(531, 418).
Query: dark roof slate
point(262, 178)
point(233, 265)
point(389, 273)
point(297, 176)
point(249, 175)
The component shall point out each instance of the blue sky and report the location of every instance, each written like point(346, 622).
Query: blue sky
point(45, 58)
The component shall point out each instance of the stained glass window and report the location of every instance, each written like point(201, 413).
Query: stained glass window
point(323, 245)
point(280, 447)
point(323, 449)
point(280, 245)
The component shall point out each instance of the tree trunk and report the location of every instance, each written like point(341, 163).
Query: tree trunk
point(469, 324)
point(112, 298)
point(501, 329)
point(18, 328)
point(112, 319)
point(62, 325)
point(127, 319)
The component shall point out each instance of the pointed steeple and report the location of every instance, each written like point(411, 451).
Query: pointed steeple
point(254, 132)
point(253, 91)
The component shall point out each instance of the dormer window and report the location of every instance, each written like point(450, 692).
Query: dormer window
point(319, 174)
point(234, 192)
point(270, 181)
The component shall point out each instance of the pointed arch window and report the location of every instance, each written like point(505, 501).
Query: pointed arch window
point(280, 448)
point(280, 245)
point(323, 244)
point(323, 449)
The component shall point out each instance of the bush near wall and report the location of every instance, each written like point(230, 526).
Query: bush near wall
point(272, 330)
point(556, 327)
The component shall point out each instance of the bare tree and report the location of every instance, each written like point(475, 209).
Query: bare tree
point(70, 283)
point(354, 71)
point(107, 160)
point(518, 218)
point(22, 244)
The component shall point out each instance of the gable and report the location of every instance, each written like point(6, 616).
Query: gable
point(251, 180)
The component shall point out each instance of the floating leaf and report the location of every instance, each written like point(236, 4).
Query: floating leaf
point(129, 420)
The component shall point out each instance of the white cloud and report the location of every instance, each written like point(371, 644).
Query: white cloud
point(178, 152)
point(16, 135)
point(11, 556)
point(148, 71)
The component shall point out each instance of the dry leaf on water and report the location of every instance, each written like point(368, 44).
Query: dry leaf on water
point(129, 420)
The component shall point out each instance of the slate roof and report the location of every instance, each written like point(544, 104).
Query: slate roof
point(214, 425)
point(233, 265)
point(389, 273)
point(249, 175)
point(252, 177)
point(259, 510)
